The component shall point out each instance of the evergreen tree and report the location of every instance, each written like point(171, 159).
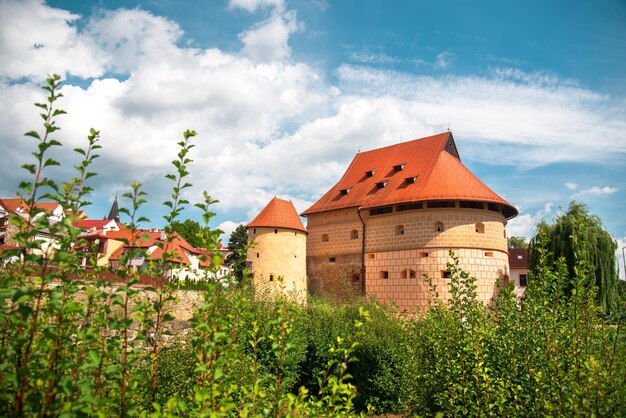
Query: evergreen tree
point(238, 247)
point(576, 232)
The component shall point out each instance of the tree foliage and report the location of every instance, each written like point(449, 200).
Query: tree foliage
point(189, 230)
point(238, 246)
point(518, 242)
point(578, 232)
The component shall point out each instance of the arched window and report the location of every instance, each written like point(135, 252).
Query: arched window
point(480, 228)
point(354, 234)
point(439, 226)
point(324, 237)
point(400, 230)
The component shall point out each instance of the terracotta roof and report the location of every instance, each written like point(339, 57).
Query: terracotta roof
point(13, 204)
point(419, 170)
point(518, 258)
point(93, 223)
point(278, 213)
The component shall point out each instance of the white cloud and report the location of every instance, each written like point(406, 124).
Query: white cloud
point(253, 5)
point(269, 40)
point(36, 40)
point(227, 228)
point(525, 224)
point(571, 186)
point(444, 60)
point(596, 190)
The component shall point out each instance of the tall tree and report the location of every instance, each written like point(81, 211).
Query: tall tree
point(237, 247)
point(578, 236)
point(189, 230)
point(518, 242)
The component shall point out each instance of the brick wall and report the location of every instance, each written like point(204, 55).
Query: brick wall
point(398, 242)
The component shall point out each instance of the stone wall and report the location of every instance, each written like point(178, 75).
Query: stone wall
point(278, 252)
point(406, 245)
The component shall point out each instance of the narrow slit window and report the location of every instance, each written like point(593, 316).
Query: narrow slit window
point(488, 254)
point(271, 277)
point(423, 255)
point(446, 274)
point(384, 274)
point(276, 231)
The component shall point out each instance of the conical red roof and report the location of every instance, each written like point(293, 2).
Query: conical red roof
point(278, 213)
point(419, 170)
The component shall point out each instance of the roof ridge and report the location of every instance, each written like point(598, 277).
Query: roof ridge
point(433, 163)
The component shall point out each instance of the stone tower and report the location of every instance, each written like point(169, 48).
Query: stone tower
point(278, 256)
point(395, 215)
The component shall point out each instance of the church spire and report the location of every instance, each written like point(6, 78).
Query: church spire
point(114, 213)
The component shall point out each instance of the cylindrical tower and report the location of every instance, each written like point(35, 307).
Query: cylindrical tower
point(277, 256)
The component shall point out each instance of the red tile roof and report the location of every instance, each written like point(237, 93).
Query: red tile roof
point(278, 213)
point(379, 178)
point(13, 204)
point(518, 258)
point(92, 223)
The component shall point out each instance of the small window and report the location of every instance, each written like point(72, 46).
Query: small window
point(408, 206)
point(384, 274)
point(381, 184)
point(324, 237)
point(438, 226)
point(371, 256)
point(254, 231)
point(271, 277)
point(423, 255)
point(332, 259)
point(400, 230)
point(356, 277)
point(408, 274)
point(446, 274)
point(488, 254)
point(276, 231)
point(440, 204)
point(399, 167)
point(370, 173)
point(345, 191)
point(480, 228)
point(257, 255)
point(354, 234)
point(523, 280)
point(410, 180)
point(381, 210)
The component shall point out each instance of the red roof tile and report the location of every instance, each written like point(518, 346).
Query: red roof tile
point(379, 177)
point(92, 223)
point(518, 258)
point(278, 213)
point(13, 204)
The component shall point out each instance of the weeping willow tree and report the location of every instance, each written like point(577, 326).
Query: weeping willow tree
point(581, 240)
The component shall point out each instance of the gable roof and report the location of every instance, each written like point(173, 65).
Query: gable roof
point(518, 258)
point(93, 223)
point(18, 205)
point(419, 170)
point(278, 213)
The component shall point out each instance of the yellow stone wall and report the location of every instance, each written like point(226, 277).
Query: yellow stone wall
point(400, 241)
point(277, 252)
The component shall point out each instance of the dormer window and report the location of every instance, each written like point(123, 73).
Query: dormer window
point(381, 184)
point(410, 180)
point(370, 173)
point(399, 167)
point(345, 191)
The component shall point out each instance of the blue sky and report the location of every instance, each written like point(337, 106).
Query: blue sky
point(283, 93)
